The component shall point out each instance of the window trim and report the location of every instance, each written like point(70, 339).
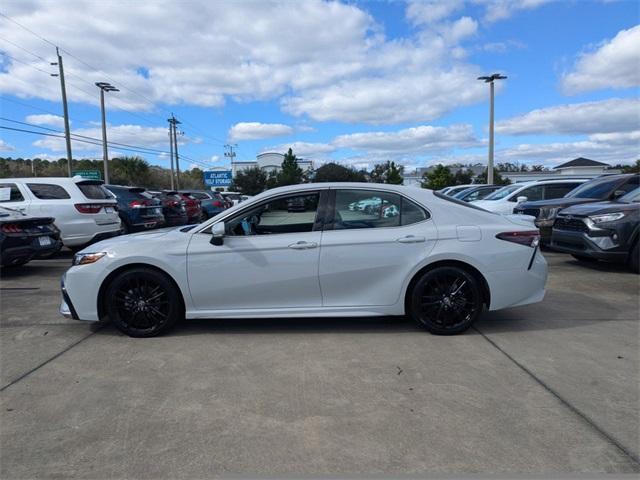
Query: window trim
point(331, 209)
point(17, 186)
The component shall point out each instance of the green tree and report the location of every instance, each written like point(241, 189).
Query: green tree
point(463, 176)
point(250, 181)
point(333, 172)
point(387, 172)
point(129, 171)
point(497, 178)
point(538, 168)
point(291, 173)
point(438, 178)
point(633, 168)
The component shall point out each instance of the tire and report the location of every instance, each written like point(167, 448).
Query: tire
point(634, 258)
point(584, 258)
point(446, 300)
point(143, 302)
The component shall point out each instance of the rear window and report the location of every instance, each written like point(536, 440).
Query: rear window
point(126, 194)
point(46, 191)
point(199, 196)
point(94, 191)
point(462, 203)
point(596, 189)
point(14, 195)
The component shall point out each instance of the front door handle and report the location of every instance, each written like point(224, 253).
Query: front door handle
point(302, 245)
point(411, 239)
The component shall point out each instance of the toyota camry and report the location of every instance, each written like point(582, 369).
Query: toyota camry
point(412, 252)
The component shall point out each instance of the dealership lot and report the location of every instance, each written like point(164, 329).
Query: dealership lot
point(551, 387)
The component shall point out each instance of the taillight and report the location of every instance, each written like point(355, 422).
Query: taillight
point(217, 203)
point(88, 207)
point(138, 203)
point(10, 228)
point(529, 238)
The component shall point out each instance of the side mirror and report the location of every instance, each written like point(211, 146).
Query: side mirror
point(217, 234)
point(618, 193)
point(522, 199)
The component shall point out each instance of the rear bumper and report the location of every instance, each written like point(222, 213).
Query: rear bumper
point(515, 287)
point(23, 253)
point(579, 243)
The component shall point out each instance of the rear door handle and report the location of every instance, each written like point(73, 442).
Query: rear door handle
point(411, 239)
point(302, 245)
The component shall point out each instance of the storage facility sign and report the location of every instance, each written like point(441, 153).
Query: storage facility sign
point(218, 178)
point(89, 174)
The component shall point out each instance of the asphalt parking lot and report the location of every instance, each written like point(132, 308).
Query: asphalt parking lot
point(547, 388)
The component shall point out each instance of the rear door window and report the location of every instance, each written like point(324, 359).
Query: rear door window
point(532, 193)
point(47, 191)
point(558, 190)
point(14, 193)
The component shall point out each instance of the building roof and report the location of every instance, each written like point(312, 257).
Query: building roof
point(582, 162)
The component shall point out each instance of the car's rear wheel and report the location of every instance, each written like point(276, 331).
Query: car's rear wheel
point(584, 258)
point(446, 300)
point(143, 302)
point(634, 257)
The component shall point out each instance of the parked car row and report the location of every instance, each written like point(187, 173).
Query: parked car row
point(40, 215)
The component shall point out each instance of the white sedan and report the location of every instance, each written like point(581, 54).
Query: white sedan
point(439, 260)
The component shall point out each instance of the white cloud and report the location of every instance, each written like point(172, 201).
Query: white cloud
point(614, 64)
point(303, 149)
point(151, 137)
point(46, 119)
point(257, 130)
point(613, 115)
point(420, 139)
point(619, 138)
point(426, 12)
point(559, 152)
point(6, 147)
point(423, 95)
point(502, 9)
point(324, 58)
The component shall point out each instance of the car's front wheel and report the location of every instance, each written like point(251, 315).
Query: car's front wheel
point(446, 300)
point(143, 302)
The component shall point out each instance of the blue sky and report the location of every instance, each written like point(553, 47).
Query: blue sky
point(356, 82)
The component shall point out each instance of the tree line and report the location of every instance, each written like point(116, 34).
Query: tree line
point(251, 181)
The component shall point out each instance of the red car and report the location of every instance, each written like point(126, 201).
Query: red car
point(193, 207)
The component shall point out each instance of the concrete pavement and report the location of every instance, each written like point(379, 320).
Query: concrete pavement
point(548, 388)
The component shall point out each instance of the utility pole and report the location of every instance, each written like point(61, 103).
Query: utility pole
point(173, 122)
point(67, 131)
point(230, 153)
point(171, 152)
point(105, 87)
point(490, 80)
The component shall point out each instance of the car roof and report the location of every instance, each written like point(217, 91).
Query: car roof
point(75, 179)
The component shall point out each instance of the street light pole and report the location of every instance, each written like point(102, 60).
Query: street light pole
point(490, 79)
point(105, 87)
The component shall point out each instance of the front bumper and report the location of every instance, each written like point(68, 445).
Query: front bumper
point(66, 307)
point(580, 243)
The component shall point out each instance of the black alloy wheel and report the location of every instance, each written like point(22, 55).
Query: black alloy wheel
point(446, 300)
point(143, 302)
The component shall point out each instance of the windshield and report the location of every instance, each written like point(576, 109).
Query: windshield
point(503, 192)
point(632, 197)
point(594, 189)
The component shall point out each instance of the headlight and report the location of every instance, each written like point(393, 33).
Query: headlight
point(548, 213)
point(606, 217)
point(87, 258)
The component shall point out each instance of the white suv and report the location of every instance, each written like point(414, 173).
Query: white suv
point(83, 210)
point(505, 199)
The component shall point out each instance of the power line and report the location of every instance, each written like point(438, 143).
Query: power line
point(25, 63)
point(95, 141)
point(25, 50)
point(6, 99)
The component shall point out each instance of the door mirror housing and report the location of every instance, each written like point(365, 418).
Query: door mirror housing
point(522, 199)
point(217, 234)
point(618, 193)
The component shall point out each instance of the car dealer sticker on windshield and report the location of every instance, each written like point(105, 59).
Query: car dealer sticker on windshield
point(5, 194)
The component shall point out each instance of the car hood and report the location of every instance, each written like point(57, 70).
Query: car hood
point(596, 208)
point(562, 202)
point(143, 239)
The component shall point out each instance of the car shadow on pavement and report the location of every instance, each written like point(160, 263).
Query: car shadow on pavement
point(601, 266)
